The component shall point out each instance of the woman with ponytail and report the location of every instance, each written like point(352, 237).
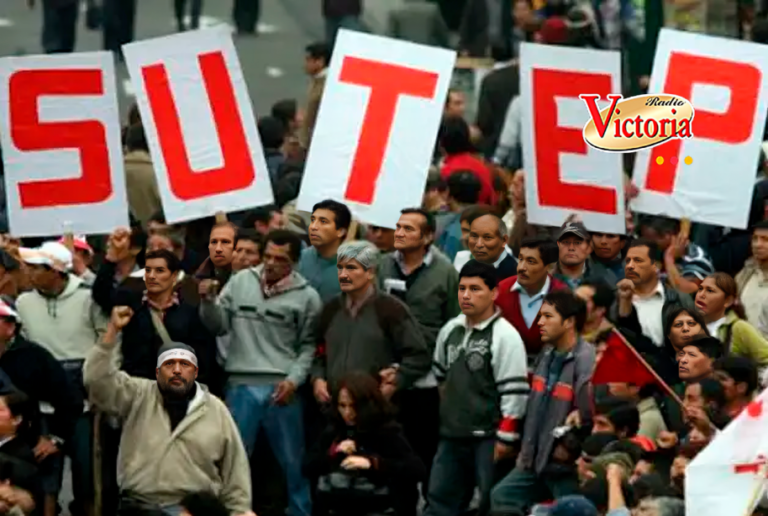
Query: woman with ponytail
point(718, 301)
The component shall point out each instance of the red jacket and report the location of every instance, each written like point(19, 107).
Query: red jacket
point(508, 302)
point(471, 163)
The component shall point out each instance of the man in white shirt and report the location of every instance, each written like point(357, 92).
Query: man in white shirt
point(641, 295)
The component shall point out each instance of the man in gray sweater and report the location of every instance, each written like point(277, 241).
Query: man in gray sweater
point(270, 311)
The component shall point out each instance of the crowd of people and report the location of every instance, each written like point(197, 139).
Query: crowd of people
point(273, 360)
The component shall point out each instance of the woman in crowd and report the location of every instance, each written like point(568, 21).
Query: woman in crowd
point(362, 462)
point(718, 301)
point(681, 324)
point(19, 485)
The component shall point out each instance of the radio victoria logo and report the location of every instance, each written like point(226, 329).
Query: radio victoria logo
point(636, 123)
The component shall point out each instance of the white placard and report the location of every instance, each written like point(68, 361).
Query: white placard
point(728, 477)
point(375, 133)
point(564, 174)
point(725, 80)
point(199, 124)
point(60, 135)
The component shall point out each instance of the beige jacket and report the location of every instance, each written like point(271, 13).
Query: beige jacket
point(141, 184)
point(159, 466)
point(314, 96)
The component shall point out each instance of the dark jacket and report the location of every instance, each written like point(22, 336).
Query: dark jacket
point(474, 34)
point(662, 358)
point(140, 340)
point(339, 8)
point(497, 90)
point(394, 465)
point(19, 467)
point(104, 287)
point(549, 405)
point(34, 371)
point(208, 271)
point(387, 331)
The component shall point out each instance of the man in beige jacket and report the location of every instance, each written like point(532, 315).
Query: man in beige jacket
point(316, 61)
point(177, 438)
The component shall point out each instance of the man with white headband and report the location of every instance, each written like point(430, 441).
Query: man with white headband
point(177, 438)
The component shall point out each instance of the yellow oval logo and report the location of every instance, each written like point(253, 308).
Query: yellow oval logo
point(638, 122)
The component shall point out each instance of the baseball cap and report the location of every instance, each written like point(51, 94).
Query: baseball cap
point(80, 243)
point(572, 505)
point(574, 228)
point(8, 310)
point(52, 254)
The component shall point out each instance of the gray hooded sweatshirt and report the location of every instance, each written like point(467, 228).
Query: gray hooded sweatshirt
point(272, 339)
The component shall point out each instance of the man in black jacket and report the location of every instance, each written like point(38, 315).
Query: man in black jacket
point(31, 369)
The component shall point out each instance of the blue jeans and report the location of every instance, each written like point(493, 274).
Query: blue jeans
point(332, 26)
point(521, 489)
point(459, 466)
point(252, 407)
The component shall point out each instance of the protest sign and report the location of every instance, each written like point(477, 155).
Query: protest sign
point(377, 125)
point(199, 124)
point(734, 462)
point(564, 174)
point(710, 176)
point(60, 134)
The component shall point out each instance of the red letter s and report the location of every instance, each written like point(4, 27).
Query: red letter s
point(238, 170)
point(551, 140)
point(88, 136)
point(387, 83)
point(735, 126)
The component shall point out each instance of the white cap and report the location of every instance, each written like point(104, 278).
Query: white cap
point(52, 254)
point(7, 311)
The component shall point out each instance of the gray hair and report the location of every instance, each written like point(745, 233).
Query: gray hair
point(363, 251)
point(503, 231)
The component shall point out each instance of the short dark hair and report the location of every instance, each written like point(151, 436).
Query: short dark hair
point(548, 250)
point(568, 305)
point(204, 503)
point(158, 216)
point(272, 132)
point(654, 253)
point(464, 187)
point(135, 138)
point(712, 391)
point(21, 405)
point(172, 261)
point(661, 225)
point(282, 237)
point(604, 293)
point(454, 136)
point(484, 271)
point(472, 212)
point(251, 235)
point(261, 214)
point(709, 346)
point(763, 224)
point(319, 50)
point(622, 414)
point(285, 110)
point(138, 238)
point(428, 226)
point(342, 216)
point(741, 369)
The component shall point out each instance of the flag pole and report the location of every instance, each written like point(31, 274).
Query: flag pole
point(650, 369)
